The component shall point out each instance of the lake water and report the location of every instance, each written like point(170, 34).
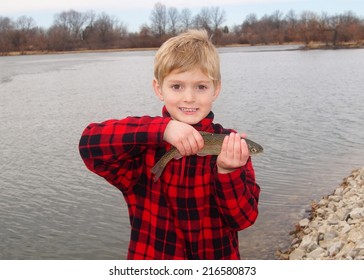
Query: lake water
point(305, 107)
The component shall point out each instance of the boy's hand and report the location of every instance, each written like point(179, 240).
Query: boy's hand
point(184, 137)
point(234, 153)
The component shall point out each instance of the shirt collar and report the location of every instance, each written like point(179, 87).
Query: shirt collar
point(203, 125)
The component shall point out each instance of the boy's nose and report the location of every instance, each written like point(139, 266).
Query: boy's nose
point(189, 96)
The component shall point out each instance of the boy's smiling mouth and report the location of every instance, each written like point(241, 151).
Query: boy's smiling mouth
point(188, 110)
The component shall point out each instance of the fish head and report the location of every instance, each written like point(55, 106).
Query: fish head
point(254, 148)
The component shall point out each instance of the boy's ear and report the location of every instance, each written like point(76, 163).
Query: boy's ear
point(157, 89)
point(217, 90)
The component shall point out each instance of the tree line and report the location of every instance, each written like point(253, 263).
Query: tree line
point(73, 30)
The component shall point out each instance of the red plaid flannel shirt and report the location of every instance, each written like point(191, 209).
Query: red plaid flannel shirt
point(191, 212)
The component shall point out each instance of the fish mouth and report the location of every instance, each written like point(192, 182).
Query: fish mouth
point(188, 110)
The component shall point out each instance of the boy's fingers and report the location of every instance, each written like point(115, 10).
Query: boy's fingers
point(199, 140)
point(237, 146)
point(181, 149)
point(244, 149)
point(224, 145)
point(193, 145)
point(188, 147)
point(243, 135)
point(230, 147)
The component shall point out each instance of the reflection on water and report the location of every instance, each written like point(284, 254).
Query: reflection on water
point(305, 108)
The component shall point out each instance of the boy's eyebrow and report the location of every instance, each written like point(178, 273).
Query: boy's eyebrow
point(195, 82)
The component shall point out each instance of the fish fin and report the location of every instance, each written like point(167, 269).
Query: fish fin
point(177, 157)
point(205, 133)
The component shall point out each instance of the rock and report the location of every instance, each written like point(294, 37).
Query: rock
point(309, 242)
point(331, 234)
point(355, 235)
point(335, 247)
point(317, 253)
point(347, 251)
point(357, 213)
point(341, 213)
point(346, 228)
point(297, 254)
point(304, 223)
point(333, 219)
point(335, 229)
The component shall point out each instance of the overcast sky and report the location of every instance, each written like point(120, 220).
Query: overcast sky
point(134, 13)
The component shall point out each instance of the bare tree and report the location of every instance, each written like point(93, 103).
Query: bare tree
point(249, 29)
point(349, 27)
point(158, 18)
point(185, 19)
point(172, 20)
point(325, 28)
point(308, 26)
point(291, 26)
point(105, 29)
point(59, 39)
point(89, 30)
point(6, 28)
point(6, 25)
point(25, 23)
point(218, 17)
point(277, 23)
point(72, 21)
point(90, 17)
point(203, 19)
point(24, 36)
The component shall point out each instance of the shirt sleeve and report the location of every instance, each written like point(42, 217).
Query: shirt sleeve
point(115, 149)
point(237, 195)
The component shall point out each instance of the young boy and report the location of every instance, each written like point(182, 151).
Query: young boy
point(198, 205)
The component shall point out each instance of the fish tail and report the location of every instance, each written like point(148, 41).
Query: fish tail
point(157, 171)
point(158, 168)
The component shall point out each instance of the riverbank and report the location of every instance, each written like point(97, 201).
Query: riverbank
point(339, 46)
point(335, 228)
point(75, 51)
point(310, 46)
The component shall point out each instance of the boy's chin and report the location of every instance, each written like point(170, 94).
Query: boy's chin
point(191, 120)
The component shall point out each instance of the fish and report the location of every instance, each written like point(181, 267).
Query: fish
point(212, 146)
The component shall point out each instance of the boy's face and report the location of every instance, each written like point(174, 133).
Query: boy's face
point(188, 96)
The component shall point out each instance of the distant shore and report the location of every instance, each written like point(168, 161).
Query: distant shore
point(323, 46)
point(75, 51)
point(310, 46)
point(335, 228)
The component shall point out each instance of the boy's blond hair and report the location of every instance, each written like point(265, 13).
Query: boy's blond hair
point(185, 52)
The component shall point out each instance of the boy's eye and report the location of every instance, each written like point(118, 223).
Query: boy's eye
point(176, 87)
point(201, 87)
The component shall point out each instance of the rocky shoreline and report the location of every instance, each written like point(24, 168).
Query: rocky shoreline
point(335, 228)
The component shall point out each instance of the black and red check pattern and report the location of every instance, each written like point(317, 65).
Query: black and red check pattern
point(191, 212)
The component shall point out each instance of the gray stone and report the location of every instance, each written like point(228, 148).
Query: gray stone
point(333, 219)
point(335, 248)
point(357, 213)
point(330, 234)
point(318, 253)
point(304, 223)
point(309, 242)
point(297, 254)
